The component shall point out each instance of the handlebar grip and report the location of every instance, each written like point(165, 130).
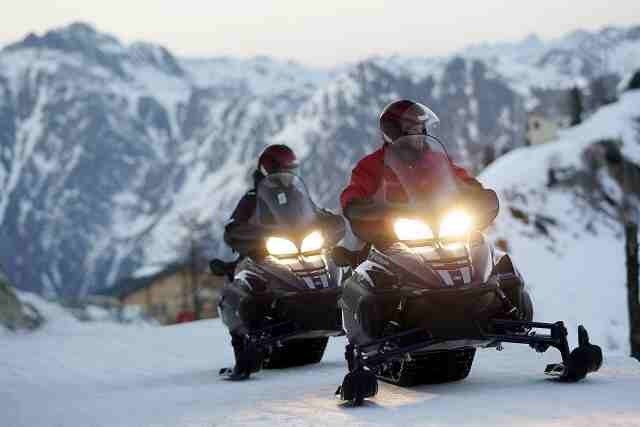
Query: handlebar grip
point(366, 212)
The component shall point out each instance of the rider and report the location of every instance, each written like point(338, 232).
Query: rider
point(242, 235)
point(239, 234)
point(398, 119)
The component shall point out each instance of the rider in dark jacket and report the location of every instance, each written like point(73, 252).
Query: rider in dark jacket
point(244, 237)
point(239, 233)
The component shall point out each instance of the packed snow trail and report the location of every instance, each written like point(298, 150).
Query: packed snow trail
point(109, 375)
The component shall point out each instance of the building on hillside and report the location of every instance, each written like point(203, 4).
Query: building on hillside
point(543, 127)
point(171, 295)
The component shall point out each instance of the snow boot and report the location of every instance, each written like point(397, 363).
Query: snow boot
point(248, 360)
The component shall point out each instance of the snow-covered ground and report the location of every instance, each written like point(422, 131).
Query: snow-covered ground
point(97, 374)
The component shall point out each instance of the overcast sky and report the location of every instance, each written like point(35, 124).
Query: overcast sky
point(317, 32)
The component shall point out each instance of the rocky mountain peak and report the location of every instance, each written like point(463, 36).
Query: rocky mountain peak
point(155, 55)
point(75, 37)
point(100, 48)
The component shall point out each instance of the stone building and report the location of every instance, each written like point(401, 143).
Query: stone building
point(171, 295)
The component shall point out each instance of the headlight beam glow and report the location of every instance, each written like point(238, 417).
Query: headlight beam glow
point(455, 224)
point(313, 242)
point(412, 229)
point(279, 246)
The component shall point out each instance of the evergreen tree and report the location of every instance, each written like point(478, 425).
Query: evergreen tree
point(635, 81)
point(575, 106)
point(488, 155)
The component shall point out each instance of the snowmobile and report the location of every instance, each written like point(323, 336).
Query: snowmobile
point(282, 298)
point(432, 289)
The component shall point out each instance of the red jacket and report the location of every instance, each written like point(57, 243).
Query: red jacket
point(367, 176)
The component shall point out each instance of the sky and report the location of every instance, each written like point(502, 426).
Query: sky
point(320, 33)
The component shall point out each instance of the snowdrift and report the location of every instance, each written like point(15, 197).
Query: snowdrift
point(57, 319)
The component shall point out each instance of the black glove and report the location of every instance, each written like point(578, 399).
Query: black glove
point(333, 226)
point(364, 210)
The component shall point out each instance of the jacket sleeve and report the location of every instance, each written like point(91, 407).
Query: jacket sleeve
point(365, 178)
point(245, 208)
point(485, 200)
point(238, 233)
point(464, 176)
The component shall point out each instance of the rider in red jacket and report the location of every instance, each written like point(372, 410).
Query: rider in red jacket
point(398, 119)
point(370, 171)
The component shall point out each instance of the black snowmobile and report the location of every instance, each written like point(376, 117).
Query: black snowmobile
point(432, 289)
point(282, 298)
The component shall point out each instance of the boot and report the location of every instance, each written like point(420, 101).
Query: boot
point(247, 360)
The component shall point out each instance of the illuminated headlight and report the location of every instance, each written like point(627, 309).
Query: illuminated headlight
point(455, 224)
point(313, 242)
point(278, 246)
point(412, 229)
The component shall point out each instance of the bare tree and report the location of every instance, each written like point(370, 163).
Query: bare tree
point(622, 206)
point(633, 290)
point(576, 107)
point(193, 251)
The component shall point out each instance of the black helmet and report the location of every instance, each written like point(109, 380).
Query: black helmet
point(406, 117)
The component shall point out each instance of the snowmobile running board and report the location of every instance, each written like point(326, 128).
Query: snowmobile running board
point(272, 334)
point(361, 382)
point(275, 333)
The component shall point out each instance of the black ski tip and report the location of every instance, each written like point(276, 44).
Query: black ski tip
point(229, 374)
point(583, 336)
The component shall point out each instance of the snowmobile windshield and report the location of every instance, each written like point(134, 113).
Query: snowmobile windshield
point(283, 200)
point(422, 174)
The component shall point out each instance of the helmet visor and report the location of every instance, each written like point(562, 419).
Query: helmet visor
point(426, 124)
point(407, 118)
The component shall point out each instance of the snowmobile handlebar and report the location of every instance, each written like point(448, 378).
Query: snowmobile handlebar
point(367, 210)
point(483, 202)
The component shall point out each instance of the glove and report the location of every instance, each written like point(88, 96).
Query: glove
point(357, 207)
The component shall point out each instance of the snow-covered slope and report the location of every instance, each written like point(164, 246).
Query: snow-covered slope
point(571, 255)
point(261, 75)
point(136, 376)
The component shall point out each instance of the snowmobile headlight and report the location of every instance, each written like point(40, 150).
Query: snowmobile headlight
point(412, 229)
point(313, 242)
point(279, 246)
point(455, 224)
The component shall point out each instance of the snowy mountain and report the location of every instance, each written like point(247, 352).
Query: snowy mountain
point(100, 141)
point(576, 58)
point(104, 146)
